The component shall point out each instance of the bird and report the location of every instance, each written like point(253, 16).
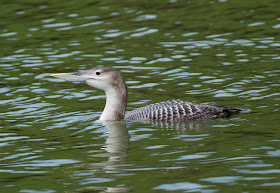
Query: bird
point(112, 82)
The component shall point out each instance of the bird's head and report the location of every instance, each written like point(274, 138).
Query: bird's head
point(104, 78)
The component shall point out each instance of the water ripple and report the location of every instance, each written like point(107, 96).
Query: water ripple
point(183, 186)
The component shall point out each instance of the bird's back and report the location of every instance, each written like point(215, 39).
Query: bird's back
point(179, 110)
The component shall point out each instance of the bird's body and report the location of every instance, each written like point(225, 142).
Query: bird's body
point(177, 110)
point(111, 81)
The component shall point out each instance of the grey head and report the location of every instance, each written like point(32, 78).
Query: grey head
point(108, 79)
point(104, 78)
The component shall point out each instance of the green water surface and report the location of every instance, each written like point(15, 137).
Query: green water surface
point(224, 52)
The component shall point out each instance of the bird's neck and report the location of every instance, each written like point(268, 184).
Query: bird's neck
point(115, 107)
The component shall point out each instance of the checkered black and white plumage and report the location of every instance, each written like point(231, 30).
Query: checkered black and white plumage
point(179, 110)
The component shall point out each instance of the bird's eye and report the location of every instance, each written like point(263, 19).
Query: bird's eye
point(97, 73)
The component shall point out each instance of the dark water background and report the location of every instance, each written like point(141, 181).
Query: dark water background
point(224, 52)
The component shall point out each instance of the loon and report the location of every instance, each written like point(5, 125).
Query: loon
point(111, 81)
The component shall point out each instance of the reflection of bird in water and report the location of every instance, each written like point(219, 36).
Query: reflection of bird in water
point(115, 149)
point(111, 81)
point(116, 143)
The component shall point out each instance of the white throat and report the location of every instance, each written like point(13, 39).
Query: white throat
point(115, 105)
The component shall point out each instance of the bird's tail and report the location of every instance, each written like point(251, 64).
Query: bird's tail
point(228, 111)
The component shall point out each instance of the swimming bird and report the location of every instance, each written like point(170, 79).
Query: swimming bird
point(111, 81)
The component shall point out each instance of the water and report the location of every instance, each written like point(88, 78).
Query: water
point(215, 52)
